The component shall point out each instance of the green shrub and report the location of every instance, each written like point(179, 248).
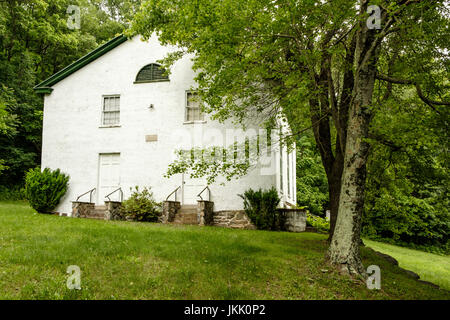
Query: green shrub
point(321, 224)
point(261, 207)
point(406, 220)
point(141, 206)
point(13, 193)
point(44, 189)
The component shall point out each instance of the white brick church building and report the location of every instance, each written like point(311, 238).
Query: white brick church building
point(113, 120)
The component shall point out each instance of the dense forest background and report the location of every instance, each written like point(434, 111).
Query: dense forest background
point(407, 194)
point(36, 42)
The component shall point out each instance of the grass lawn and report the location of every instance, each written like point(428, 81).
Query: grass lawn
point(126, 260)
point(430, 267)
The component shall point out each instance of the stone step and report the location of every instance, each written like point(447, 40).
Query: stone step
point(181, 218)
point(187, 211)
point(185, 222)
point(186, 214)
point(192, 219)
point(98, 213)
point(186, 218)
point(189, 206)
point(95, 217)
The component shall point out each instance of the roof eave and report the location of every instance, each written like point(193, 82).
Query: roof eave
point(43, 90)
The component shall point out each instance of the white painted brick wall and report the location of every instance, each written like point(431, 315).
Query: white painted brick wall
point(73, 139)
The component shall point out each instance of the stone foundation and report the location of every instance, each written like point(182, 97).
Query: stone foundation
point(295, 220)
point(205, 213)
point(82, 209)
point(170, 209)
point(113, 210)
point(236, 219)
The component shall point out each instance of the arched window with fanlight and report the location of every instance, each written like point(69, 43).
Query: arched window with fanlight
point(152, 72)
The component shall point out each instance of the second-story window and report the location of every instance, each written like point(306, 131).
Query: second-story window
point(111, 110)
point(193, 108)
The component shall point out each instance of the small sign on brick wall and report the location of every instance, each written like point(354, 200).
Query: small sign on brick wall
point(151, 138)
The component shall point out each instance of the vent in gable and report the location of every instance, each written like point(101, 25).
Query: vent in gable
point(151, 73)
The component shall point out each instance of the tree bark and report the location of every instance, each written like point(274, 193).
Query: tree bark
point(344, 247)
point(332, 165)
point(334, 190)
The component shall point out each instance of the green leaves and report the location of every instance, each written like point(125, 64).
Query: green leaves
point(321, 224)
point(45, 189)
point(408, 174)
point(8, 120)
point(261, 207)
point(312, 184)
point(35, 43)
point(141, 206)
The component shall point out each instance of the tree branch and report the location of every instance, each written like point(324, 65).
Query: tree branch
point(425, 99)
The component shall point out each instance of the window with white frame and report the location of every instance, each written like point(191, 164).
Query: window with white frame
point(293, 178)
point(281, 167)
point(193, 107)
point(111, 110)
point(289, 174)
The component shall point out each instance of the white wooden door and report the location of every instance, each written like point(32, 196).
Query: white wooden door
point(191, 188)
point(108, 176)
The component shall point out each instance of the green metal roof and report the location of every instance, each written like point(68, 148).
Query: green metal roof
point(46, 85)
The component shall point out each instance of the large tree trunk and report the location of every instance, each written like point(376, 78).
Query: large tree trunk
point(334, 191)
point(332, 162)
point(333, 166)
point(344, 247)
point(321, 128)
point(340, 118)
